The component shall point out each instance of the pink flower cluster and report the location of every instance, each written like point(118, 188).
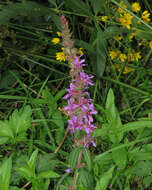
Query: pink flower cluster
point(80, 107)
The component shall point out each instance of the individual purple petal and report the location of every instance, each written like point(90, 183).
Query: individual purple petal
point(68, 170)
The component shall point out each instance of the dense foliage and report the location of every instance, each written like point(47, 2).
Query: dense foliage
point(38, 151)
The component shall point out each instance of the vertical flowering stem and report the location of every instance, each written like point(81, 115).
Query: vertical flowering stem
point(79, 109)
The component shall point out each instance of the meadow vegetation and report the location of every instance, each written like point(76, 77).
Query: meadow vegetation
point(76, 95)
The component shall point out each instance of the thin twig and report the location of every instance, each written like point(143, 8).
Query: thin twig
point(67, 130)
point(27, 184)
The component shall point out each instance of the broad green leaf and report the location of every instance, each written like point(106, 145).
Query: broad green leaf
point(47, 174)
point(147, 181)
point(97, 5)
point(23, 8)
point(144, 33)
point(58, 120)
point(112, 31)
point(25, 171)
point(21, 120)
point(5, 172)
point(101, 46)
point(142, 168)
point(103, 182)
point(7, 79)
point(59, 95)
point(32, 161)
point(85, 179)
point(5, 130)
point(87, 158)
point(50, 100)
point(46, 162)
point(85, 45)
point(120, 157)
point(52, 2)
point(73, 158)
point(134, 126)
point(113, 119)
point(79, 6)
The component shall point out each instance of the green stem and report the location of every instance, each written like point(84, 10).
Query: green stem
point(128, 86)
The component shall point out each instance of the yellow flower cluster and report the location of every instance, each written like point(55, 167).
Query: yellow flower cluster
point(145, 16)
point(135, 7)
point(120, 10)
point(56, 40)
point(104, 18)
point(60, 56)
point(150, 44)
point(130, 57)
point(126, 19)
point(126, 69)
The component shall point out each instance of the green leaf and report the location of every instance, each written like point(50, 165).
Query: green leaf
point(25, 172)
point(21, 120)
point(134, 126)
point(5, 172)
point(52, 2)
point(7, 79)
point(112, 31)
point(23, 8)
point(104, 179)
point(87, 158)
point(32, 161)
point(73, 158)
point(49, 99)
point(47, 174)
point(85, 45)
point(101, 46)
point(113, 118)
point(120, 157)
point(85, 179)
point(97, 5)
point(79, 6)
point(59, 95)
point(58, 120)
point(142, 168)
point(5, 131)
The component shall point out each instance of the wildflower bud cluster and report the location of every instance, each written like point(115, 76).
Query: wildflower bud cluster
point(80, 107)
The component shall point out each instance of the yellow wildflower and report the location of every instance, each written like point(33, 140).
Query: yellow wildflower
point(145, 16)
point(122, 57)
point(131, 36)
point(126, 20)
point(59, 34)
point(80, 51)
point(150, 44)
point(55, 40)
point(120, 10)
point(104, 18)
point(112, 54)
point(135, 7)
point(128, 70)
point(134, 57)
point(138, 22)
point(118, 38)
point(60, 56)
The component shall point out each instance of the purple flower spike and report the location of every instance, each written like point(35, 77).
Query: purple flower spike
point(80, 108)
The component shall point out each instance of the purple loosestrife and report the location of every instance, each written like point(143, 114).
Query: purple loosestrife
point(80, 107)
